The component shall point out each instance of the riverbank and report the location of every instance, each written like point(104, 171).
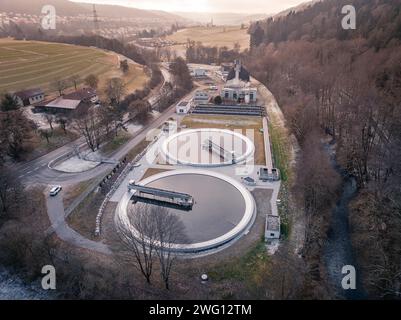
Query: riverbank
point(338, 250)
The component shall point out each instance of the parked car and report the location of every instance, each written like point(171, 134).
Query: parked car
point(55, 191)
point(249, 181)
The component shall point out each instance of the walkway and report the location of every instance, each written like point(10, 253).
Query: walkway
point(268, 151)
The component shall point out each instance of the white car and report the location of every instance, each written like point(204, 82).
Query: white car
point(55, 191)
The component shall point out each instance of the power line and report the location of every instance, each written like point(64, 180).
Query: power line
point(95, 20)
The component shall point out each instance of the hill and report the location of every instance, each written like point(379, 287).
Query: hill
point(378, 21)
point(298, 8)
point(68, 8)
point(116, 11)
point(27, 64)
point(63, 7)
point(342, 86)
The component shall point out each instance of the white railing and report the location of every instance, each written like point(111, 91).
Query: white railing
point(117, 183)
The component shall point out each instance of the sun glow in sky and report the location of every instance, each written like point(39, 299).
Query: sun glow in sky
point(234, 6)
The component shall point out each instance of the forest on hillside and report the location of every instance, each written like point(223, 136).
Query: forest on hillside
point(378, 21)
point(345, 86)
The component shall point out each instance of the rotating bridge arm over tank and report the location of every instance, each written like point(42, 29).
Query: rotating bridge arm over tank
point(219, 150)
point(172, 197)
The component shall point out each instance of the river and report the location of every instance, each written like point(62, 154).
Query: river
point(338, 250)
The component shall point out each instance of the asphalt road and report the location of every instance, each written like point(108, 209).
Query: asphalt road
point(55, 210)
point(37, 171)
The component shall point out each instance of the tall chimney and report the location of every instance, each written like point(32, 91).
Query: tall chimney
point(237, 69)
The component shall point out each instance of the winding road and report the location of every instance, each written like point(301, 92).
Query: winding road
point(38, 171)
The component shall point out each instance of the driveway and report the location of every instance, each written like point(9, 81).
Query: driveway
point(55, 211)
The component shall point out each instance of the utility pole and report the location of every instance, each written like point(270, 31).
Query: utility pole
point(95, 19)
point(96, 25)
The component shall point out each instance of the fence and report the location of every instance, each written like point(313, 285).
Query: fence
point(124, 173)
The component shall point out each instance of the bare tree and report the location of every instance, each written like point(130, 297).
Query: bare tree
point(286, 274)
point(91, 127)
point(169, 232)
point(140, 240)
point(15, 132)
point(112, 118)
point(153, 233)
point(139, 110)
point(62, 122)
point(124, 66)
point(92, 81)
point(75, 79)
point(115, 90)
point(10, 190)
point(45, 133)
point(60, 85)
point(50, 119)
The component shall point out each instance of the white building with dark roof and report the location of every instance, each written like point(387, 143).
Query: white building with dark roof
point(198, 72)
point(183, 107)
point(238, 87)
point(67, 103)
point(28, 97)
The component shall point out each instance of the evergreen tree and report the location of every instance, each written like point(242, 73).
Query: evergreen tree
point(9, 103)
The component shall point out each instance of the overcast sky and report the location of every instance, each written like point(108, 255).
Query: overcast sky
point(237, 6)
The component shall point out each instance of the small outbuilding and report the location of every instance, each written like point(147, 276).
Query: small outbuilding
point(201, 97)
point(272, 227)
point(198, 72)
point(183, 107)
point(28, 97)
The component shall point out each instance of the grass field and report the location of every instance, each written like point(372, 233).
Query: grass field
point(26, 64)
point(216, 36)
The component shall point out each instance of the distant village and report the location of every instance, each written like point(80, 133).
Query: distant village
point(120, 28)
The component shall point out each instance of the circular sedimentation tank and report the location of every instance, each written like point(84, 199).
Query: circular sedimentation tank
point(223, 208)
point(207, 148)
